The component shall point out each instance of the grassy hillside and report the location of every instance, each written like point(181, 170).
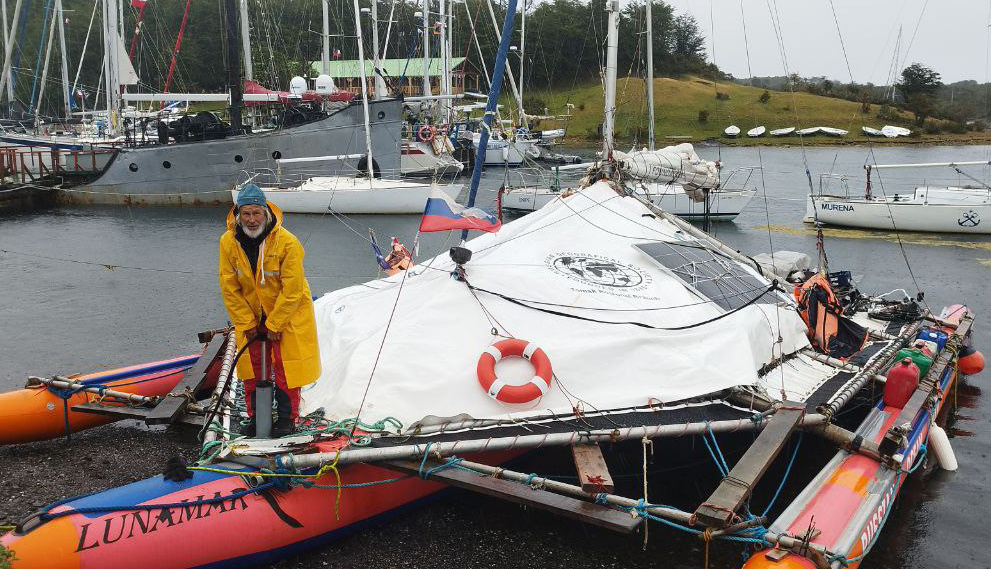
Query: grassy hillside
point(678, 102)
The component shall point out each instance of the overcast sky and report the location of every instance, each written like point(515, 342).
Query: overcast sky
point(952, 37)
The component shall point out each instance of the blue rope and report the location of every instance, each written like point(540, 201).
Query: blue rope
point(47, 516)
point(798, 444)
point(717, 456)
point(423, 463)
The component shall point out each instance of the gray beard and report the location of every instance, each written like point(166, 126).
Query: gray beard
point(253, 234)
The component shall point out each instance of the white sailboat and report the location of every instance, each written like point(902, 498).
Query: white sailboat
point(783, 131)
point(941, 209)
point(757, 132)
point(807, 131)
point(674, 178)
point(354, 195)
point(871, 131)
point(423, 160)
point(732, 131)
point(360, 194)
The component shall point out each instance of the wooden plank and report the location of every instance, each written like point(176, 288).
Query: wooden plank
point(719, 509)
point(592, 470)
point(170, 407)
point(119, 411)
point(139, 413)
point(588, 512)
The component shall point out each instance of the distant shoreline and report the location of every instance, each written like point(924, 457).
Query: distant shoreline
point(969, 139)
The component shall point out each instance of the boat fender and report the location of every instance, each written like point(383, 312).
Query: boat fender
point(497, 388)
point(971, 361)
point(427, 133)
point(940, 444)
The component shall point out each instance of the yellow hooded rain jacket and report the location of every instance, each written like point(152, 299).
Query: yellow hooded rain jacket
point(279, 288)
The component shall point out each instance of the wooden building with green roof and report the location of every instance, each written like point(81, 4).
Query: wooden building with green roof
point(406, 73)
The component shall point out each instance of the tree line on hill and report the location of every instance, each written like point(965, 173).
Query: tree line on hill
point(564, 42)
point(966, 105)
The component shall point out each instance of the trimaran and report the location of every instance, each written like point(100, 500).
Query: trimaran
point(638, 326)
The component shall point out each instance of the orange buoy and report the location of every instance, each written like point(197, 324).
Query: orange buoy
point(497, 388)
point(761, 560)
point(971, 361)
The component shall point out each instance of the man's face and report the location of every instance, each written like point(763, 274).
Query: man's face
point(252, 219)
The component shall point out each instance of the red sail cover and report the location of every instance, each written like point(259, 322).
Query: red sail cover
point(139, 3)
point(254, 88)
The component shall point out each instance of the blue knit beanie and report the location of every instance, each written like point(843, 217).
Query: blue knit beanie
point(250, 194)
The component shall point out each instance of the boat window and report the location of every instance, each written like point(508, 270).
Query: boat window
point(238, 158)
point(276, 155)
point(133, 167)
point(713, 276)
point(166, 164)
point(381, 115)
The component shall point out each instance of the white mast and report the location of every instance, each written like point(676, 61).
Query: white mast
point(388, 29)
point(380, 90)
point(445, 78)
point(612, 46)
point(249, 72)
point(66, 93)
point(650, 78)
point(44, 71)
point(82, 53)
point(426, 48)
point(364, 95)
point(522, 57)
point(112, 62)
point(7, 52)
point(325, 56)
point(3, 4)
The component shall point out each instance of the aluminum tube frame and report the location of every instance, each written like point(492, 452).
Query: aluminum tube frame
point(530, 441)
point(225, 375)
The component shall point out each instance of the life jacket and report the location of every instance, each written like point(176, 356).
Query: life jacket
point(829, 331)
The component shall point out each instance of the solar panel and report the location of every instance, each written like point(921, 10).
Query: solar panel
point(713, 276)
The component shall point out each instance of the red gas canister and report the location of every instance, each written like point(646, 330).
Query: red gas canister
point(903, 379)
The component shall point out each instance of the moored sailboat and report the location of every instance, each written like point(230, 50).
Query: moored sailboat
point(946, 209)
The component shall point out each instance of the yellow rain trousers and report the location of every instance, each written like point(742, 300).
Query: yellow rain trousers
point(279, 288)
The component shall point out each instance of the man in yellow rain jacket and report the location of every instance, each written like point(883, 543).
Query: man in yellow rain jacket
point(267, 296)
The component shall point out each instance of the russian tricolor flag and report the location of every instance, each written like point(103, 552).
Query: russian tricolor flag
point(443, 213)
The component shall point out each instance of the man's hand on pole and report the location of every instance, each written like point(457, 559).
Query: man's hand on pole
point(270, 335)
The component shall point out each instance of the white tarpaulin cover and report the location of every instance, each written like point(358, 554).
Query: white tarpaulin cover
point(678, 163)
point(576, 255)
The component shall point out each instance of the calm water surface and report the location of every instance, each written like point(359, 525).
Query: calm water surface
point(85, 289)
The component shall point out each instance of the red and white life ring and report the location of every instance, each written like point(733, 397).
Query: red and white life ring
point(427, 133)
point(497, 388)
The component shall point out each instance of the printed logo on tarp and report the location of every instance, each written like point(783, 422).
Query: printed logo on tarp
point(605, 273)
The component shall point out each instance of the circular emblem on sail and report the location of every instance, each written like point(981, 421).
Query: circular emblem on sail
point(969, 219)
point(596, 270)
